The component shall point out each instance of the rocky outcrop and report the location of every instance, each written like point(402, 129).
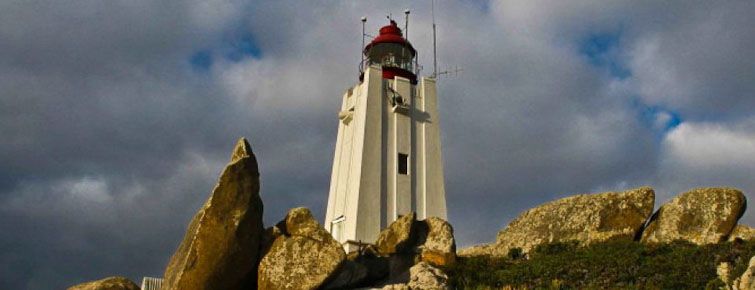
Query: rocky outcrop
point(110, 283)
point(425, 276)
point(701, 216)
point(221, 245)
point(476, 250)
point(742, 232)
point(303, 256)
point(586, 218)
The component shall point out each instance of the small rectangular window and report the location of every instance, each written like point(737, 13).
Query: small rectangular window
point(403, 163)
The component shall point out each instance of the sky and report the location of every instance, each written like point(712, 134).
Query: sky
point(117, 116)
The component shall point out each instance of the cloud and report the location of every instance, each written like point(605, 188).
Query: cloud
point(118, 116)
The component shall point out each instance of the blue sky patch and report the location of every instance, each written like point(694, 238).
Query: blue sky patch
point(601, 50)
point(235, 49)
point(240, 47)
point(201, 60)
point(659, 118)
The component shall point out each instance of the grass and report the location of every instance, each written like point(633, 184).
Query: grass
point(607, 265)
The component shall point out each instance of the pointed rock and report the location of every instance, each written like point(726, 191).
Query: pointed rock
point(110, 283)
point(586, 218)
point(701, 216)
point(221, 247)
point(242, 150)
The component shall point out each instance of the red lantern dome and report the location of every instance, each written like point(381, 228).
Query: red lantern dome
point(392, 52)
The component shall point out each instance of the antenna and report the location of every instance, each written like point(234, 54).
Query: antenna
point(364, 21)
point(455, 71)
point(435, 52)
point(406, 24)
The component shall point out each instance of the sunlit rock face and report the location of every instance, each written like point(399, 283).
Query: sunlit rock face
point(302, 256)
point(701, 216)
point(221, 247)
point(742, 232)
point(586, 218)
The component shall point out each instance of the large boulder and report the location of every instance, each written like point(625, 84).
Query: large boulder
point(742, 232)
point(700, 216)
point(110, 283)
point(426, 277)
point(586, 218)
point(221, 246)
point(303, 256)
point(439, 247)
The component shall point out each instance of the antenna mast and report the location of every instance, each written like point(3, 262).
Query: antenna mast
point(435, 57)
point(406, 24)
point(361, 64)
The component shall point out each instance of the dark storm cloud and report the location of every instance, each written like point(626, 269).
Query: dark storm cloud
point(114, 133)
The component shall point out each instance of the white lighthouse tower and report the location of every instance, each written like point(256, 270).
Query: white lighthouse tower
point(388, 156)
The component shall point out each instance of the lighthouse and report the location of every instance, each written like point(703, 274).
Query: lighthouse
point(387, 160)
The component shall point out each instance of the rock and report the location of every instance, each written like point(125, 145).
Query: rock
point(742, 232)
point(221, 245)
point(701, 216)
point(724, 272)
point(476, 250)
point(110, 283)
point(439, 247)
point(745, 282)
point(396, 287)
point(585, 218)
point(361, 268)
point(305, 256)
point(399, 237)
point(425, 276)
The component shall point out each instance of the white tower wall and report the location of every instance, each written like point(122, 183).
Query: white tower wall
point(367, 190)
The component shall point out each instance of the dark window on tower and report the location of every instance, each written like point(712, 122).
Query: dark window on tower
point(403, 163)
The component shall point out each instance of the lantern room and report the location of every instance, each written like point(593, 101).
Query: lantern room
point(392, 52)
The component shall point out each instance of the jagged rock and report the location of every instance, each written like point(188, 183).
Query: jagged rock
point(399, 237)
point(305, 256)
point(221, 245)
point(476, 250)
point(586, 218)
point(742, 232)
point(745, 282)
point(700, 216)
point(425, 276)
point(439, 247)
point(110, 283)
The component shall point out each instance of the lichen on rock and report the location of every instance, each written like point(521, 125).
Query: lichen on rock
point(701, 216)
point(304, 256)
point(586, 218)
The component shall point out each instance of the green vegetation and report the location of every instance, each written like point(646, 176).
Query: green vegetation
point(608, 265)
